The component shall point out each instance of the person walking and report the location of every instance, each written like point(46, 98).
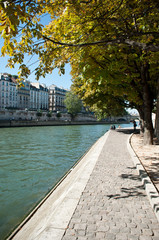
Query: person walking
point(134, 123)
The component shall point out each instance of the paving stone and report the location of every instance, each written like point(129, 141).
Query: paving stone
point(156, 232)
point(114, 230)
point(155, 238)
point(131, 225)
point(81, 232)
point(81, 226)
point(69, 238)
point(100, 235)
point(133, 237)
point(122, 236)
point(143, 237)
point(110, 236)
point(82, 238)
point(147, 232)
point(103, 228)
point(144, 226)
point(91, 228)
point(126, 230)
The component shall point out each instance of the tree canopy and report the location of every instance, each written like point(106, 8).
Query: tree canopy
point(112, 46)
point(74, 24)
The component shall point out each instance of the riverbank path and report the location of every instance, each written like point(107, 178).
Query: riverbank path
point(114, 204)
point(102, 198)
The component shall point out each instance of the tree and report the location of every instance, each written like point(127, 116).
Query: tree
point(49, 114)
point(73, 104)
point(73, 25)
point(84, 24)
point(39, 113)
point(116, 73)
point(58, 115)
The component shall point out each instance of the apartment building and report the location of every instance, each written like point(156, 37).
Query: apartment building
point(23, 95)
point(56, 98)
point(39, 96)
point(8, 91)
point(31, 96)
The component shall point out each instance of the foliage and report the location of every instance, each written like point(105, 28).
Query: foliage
point(58, 115)
point(39, 114)
point(73, 104)
point(111, 78)
point(49, 114)
point(74, 25)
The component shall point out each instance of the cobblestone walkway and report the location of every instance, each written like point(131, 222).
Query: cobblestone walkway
point(114, 205)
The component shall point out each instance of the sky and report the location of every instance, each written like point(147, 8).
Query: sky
point(54, 78)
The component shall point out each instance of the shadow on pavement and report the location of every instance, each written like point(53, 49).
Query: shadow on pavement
point(129, 192)
point(128, 130)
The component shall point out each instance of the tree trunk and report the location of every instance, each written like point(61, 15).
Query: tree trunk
point(148, 103)
point(157, 112)
point(141, 114)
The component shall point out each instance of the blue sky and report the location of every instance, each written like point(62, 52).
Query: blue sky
point(54, 78)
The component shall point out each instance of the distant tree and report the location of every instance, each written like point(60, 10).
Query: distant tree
point(58, 115)
point(73, 104)
point(49, 114)
point(39, 114)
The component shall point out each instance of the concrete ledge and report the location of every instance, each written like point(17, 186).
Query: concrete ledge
point(33, 123)
point(151, 191)
point(51, 217)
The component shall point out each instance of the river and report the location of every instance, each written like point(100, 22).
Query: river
point(32, 161)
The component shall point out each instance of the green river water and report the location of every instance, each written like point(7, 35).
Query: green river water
point(32, 161)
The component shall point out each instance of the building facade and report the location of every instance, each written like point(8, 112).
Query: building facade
point(39, 96)
point(33, 96)
point(23, 95)
point(8, 92)
point(30, 96)
point(56, 98)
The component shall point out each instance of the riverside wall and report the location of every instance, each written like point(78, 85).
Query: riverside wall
point(27, 115)
point(23, 118)
point(13, 123)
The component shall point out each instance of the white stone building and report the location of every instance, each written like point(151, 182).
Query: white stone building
point(56, 98)
point(39, 96)
point(23, 95)
point(8, 91)
point(32, 96)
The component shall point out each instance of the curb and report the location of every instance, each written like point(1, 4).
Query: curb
point(151, 191)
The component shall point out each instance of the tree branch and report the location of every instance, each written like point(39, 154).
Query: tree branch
point(132, 43)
